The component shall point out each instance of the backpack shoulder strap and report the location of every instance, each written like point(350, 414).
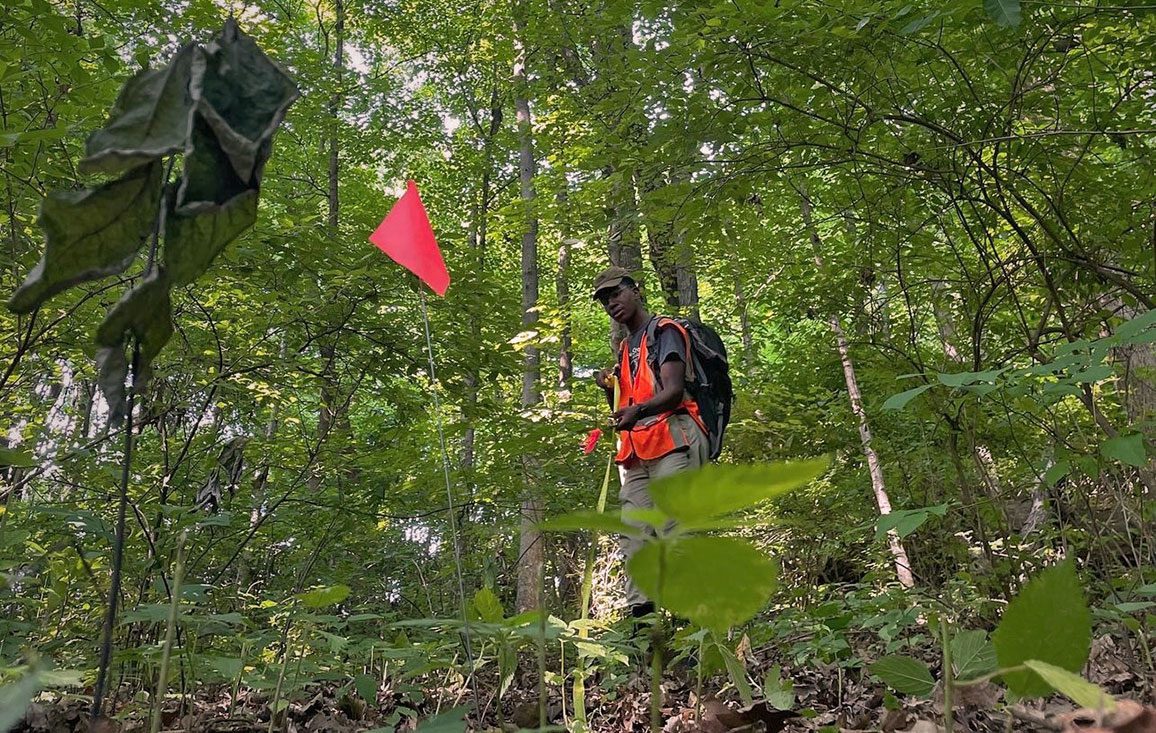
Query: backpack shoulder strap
point(652, 340)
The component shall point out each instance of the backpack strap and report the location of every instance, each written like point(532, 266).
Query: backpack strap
point(652, 342)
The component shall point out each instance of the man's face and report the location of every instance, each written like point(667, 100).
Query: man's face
point(621, 302)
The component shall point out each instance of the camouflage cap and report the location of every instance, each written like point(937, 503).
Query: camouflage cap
point(611, 277)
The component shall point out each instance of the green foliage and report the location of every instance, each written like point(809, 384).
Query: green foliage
point(906, 521)
point(14, 698)
point(904, 674)
point(322, 597)
point(972, 655)
point(219, 106)
point(716, 582)
point(1083, 693)
point(1049, 622)
point(717, 490)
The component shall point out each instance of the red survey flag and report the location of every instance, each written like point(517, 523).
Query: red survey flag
point(406, 236)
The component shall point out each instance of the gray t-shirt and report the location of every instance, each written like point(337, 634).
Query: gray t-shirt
point(668, 342)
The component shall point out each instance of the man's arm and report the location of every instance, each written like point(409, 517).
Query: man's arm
point(671, 376)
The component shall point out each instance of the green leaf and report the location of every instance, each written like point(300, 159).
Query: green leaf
point(1127, 449)
point(16, 457)
point(1004, 12)
point(55, 678)
point(737, 673)
point(962, 379)
point(243, 97)
point(651, 517)
point(779, 693)
point(151, 118)
point(488, 607)
point(366, 686)
point(588, 520)
point(322, 597)
point(212, 207)
point(716, 490)
point(1057, 472)
point(91, 234)
point(899, 401)
point(145, 312)
point(14, 700)
point(904, 674)
point(228, 667)
point(972, 655)
point(906, 521)
point(716, 582)
point(1048, 621)
point(451, 721)
point(1079, 690)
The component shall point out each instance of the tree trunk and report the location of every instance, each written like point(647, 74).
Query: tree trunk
point(882, 500)
point(530, 550)
point(562, 290)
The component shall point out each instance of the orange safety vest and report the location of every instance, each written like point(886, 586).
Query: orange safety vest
point(654, 436)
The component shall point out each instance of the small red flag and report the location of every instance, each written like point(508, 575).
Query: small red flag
point(591, 441)
point(406, 236)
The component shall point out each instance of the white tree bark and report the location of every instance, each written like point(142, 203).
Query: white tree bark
point(878, 486)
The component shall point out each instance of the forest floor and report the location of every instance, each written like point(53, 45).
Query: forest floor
point(826, 698)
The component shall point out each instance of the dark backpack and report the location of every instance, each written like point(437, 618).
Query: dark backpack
point(710, 383)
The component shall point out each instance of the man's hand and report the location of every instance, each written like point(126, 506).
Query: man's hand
point(602, 378)
point(625, 418)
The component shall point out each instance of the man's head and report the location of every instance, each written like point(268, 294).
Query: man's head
point(618, 293)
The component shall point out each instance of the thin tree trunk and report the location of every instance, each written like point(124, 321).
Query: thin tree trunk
point(562, 290)
point(530, 550)
point(882, 499)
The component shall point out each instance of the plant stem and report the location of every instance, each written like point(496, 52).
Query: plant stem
point(170, 633)
point(117, 547)
point(948, 677)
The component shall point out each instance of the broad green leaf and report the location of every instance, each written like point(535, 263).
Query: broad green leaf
point(451, 721)
point(906, 521)
point(716, 582)
point(16, 457)
point(14, 699)
point(779, 693)
point(91, 234)
point(899, 401)
point(717, 490)
point(212, 207)
point(1134, 606)
point(1082, 692)
point(488, 607)
point(1048, 621)
point(54, 678)
point(145, 312)
point(961, 379)
point(972, 655)
point(1057, 472)
point(151, 118)
point(1127, 449)
point(904, 674)
point(322, 597)
point(737, 673)
point(588, 520)
point(651, 517)
point(1003, 12)
point(228, 667)
point(366, 686)
point(244, 97)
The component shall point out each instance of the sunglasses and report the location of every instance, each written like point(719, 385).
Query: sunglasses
point(604, 296)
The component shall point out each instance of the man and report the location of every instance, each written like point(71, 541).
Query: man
point(659, 431)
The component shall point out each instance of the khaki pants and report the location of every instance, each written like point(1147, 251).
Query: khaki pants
point(635, 492)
